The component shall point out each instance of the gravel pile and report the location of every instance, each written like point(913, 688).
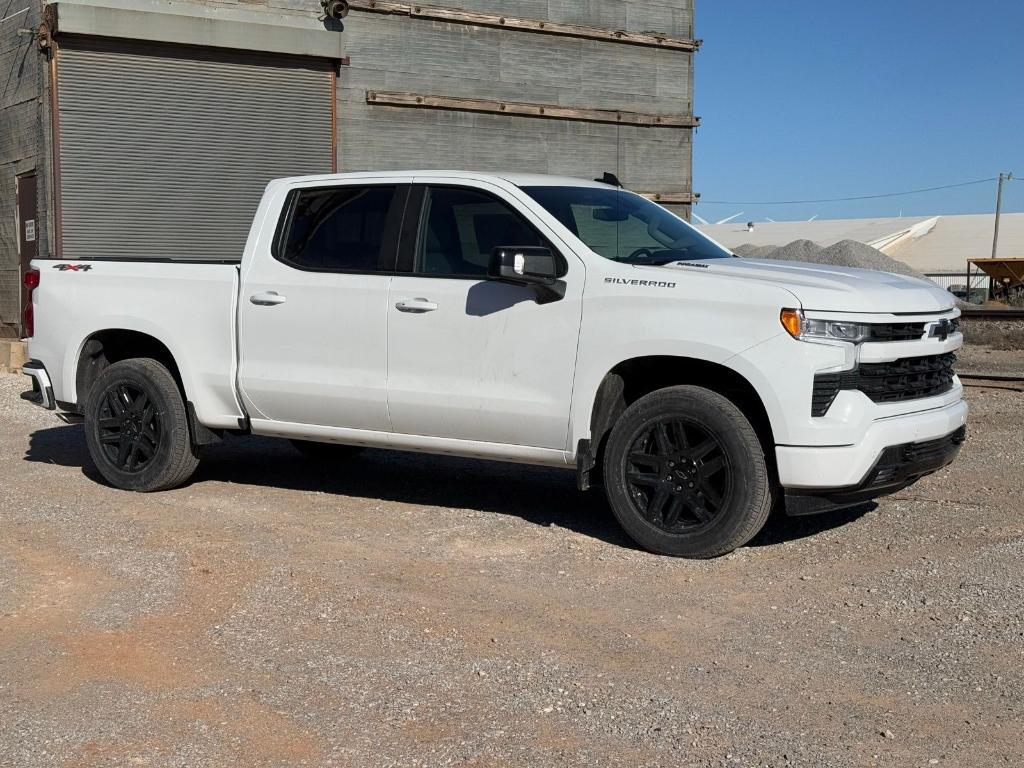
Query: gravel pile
point(845, 253)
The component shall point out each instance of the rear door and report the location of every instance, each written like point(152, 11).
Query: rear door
point(470, 358)
point(313, 311)
point(28, 229)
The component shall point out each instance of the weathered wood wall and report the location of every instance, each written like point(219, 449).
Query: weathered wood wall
point(669, 17)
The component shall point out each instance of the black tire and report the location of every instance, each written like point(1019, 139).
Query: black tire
point(136, 427)
point(685, 474)
point(315, 451)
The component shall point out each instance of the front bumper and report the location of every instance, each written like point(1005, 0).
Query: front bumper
point(898, 467)
point(41, 393)
point(846, 465)
point(849, 474)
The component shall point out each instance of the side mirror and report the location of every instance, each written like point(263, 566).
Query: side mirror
point(528, 265)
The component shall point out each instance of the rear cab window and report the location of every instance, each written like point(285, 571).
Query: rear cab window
point(341, 229)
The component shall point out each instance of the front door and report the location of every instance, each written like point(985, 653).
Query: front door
point(474, 359)
point(313, 312)
point(28, 228)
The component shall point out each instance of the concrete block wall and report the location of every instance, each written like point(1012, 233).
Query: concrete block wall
point(669, 17)
point(394, 53)
point(397, 53)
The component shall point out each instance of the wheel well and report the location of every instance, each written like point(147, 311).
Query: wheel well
point(630, 380)
point(104, 348)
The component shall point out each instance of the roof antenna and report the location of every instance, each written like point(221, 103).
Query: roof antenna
point(610, 178)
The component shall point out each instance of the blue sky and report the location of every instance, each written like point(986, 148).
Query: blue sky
point(811, 99)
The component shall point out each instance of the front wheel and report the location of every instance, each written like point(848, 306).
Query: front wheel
point(136, 427)
point(686, 475)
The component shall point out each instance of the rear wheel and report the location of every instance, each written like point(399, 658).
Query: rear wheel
point(325, 451)
point(136, 427)
point(685, 474)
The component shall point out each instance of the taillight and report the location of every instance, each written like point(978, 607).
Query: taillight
point(28, 314)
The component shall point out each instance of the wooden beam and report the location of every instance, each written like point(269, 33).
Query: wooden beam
point(457, 16)
point(672, 198)
point(526, 109)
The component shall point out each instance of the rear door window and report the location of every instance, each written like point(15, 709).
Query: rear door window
point(342, 229)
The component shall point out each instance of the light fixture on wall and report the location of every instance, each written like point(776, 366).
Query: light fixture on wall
point(335, 9)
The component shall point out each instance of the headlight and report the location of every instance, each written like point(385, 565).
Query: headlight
point(806, 329)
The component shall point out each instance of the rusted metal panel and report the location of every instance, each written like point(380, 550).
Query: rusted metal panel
point(543, 26)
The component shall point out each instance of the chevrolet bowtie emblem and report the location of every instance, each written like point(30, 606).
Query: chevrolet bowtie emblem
point(941, 330)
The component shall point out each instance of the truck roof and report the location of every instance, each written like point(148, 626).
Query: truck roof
point(518, 179)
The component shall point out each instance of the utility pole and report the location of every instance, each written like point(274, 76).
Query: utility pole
point(999, 209)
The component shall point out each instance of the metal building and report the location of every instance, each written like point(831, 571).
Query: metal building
point(148, 128)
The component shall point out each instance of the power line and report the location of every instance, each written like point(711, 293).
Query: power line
point(16, 13)
point(847, 199)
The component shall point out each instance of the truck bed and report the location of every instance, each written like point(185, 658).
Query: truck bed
point(189, 307)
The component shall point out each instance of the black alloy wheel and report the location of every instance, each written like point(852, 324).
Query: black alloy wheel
point(137, 427)
point(129, 427)
point(686, 474)
point(678, 475)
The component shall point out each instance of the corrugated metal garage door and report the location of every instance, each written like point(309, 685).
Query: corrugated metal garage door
point(164, 150)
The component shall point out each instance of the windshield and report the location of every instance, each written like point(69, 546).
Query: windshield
point(622, 226)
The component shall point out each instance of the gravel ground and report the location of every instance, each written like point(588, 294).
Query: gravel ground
point(979, 359)
point(403, 610)
point(997, 335)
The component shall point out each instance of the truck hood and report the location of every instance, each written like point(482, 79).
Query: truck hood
point(828, 288)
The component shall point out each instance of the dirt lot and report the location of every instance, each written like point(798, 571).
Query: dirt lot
point(413, 611)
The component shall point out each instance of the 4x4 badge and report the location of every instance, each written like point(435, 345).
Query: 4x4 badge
point(73, 267)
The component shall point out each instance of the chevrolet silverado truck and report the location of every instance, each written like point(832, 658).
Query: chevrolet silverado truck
point(521, 318)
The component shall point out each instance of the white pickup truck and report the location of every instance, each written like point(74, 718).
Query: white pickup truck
point(520, 318)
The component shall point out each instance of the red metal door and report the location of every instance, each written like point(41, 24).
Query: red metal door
point(28, 229)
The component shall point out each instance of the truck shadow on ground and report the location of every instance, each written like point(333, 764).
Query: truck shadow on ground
point(538, 495)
